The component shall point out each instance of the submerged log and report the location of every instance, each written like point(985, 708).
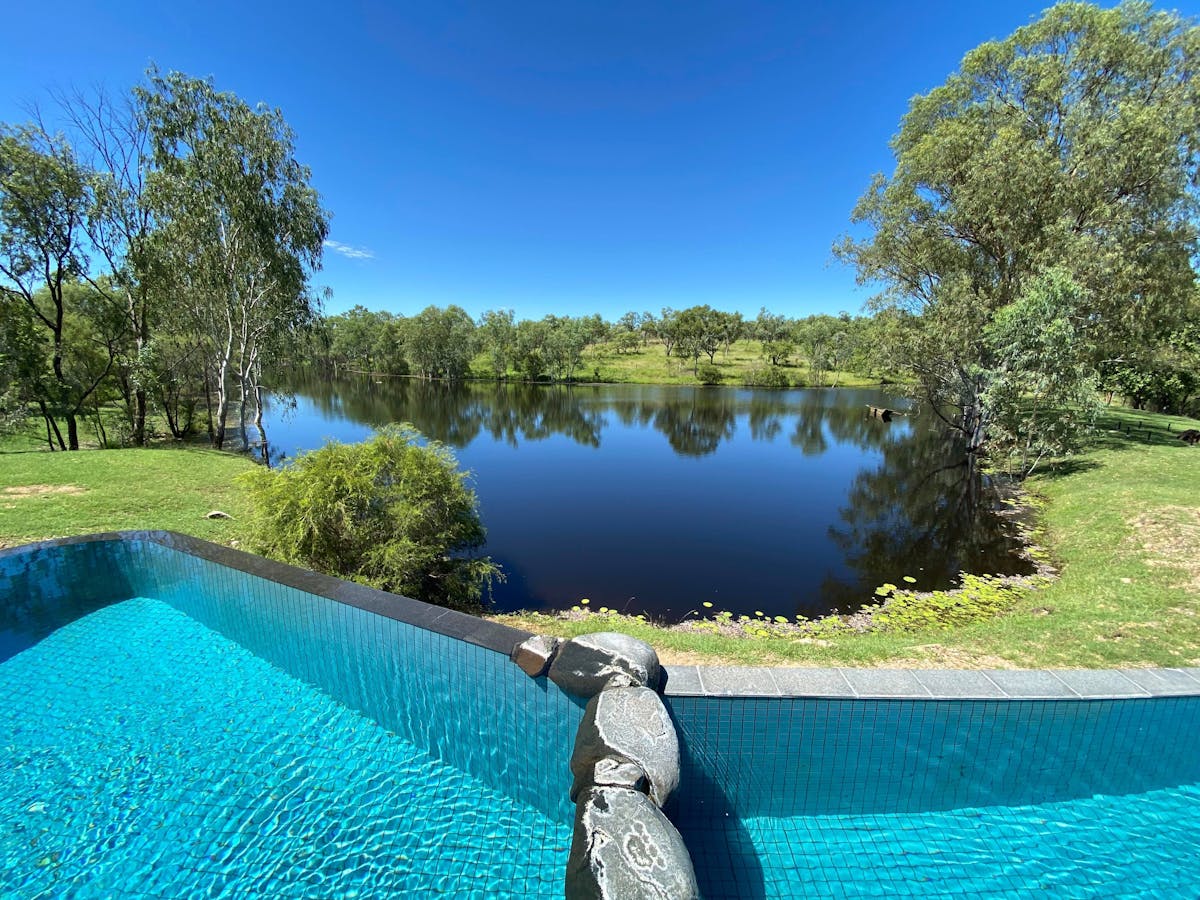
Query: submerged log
point(879, 412)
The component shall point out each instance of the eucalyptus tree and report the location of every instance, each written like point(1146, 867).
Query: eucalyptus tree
point(366, 341)
point(441, 342)
point(699, 330)
point(776, 335)
point(732, 327)
point(114, 141)
point(564, 342)
point(668, 328)
point(498, 335)
point(241, 232)
point(1070, 145)
point(45, 199)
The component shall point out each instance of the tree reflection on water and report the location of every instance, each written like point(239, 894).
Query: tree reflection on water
point(748, 524)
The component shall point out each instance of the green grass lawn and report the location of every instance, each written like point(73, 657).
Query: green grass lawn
point(45, 495)
point(1121, 522)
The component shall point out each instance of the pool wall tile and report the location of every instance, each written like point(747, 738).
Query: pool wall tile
point(783, 756)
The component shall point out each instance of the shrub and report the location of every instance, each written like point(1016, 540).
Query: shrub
point(767, 377)
point(708, 373)
point(394, 512)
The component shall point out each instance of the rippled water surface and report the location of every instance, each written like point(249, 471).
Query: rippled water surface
point(661, 499)
point(146, 756)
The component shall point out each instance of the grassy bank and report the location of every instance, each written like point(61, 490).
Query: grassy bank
point(651, 365)
point(1120, 522)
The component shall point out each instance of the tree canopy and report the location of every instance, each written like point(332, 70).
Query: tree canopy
point(167, 261)
point(1071, 145)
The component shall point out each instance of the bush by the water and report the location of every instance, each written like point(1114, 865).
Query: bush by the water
point(767, 377)
point(394, 512)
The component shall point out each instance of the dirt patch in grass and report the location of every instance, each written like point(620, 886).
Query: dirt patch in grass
point(1169, 536)
point(40, 490)
point(936, 656)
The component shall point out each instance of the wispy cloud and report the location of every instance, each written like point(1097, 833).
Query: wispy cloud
point(348, 251)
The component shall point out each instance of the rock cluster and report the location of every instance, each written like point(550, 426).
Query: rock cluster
point(626, 765)
point(586, 665)
point(627, 725)
point(533, 655)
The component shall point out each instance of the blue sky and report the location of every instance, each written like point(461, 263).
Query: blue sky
point(556, 156)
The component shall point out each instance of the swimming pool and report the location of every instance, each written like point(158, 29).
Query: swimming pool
point(174, 727)
point(860, 794)
point(178, 718)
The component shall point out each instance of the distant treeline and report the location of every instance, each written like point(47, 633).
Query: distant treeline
point(449, 344)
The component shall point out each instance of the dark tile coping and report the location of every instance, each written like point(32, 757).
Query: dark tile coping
point(449, 622)
point(930, 684)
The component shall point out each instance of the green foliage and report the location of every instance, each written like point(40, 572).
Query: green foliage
point(440, 342)
point(1071, 144)
point(1041, 395)
point(767, 377)
point(707, 373)
point(392, 512)
point(64, 339)
point(240, 229)
point(366, 341)
point(498, 336)
point(1164, 377)
point(978, 598)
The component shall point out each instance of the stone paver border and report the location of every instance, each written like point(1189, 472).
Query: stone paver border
point(930, 684)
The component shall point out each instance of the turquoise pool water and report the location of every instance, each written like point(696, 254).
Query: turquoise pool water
point(148, 756)
point(230, 731)
point(1102, 847)
point(798, 797)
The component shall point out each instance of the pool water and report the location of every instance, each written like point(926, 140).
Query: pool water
point(148, 756)
point(1144, 845)
point(805, 797)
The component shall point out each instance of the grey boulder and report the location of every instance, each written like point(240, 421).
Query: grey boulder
point(533, 654)
point(628, 724)
point(588, 664)
point(624, 848)
point(611, 771)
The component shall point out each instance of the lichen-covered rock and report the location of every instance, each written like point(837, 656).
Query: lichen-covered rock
point(588, 664)
point(533, 654)
point(631, 724)
point(624, 848)
point(612, 771)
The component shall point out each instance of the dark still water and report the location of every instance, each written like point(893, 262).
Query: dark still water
point(656, 499)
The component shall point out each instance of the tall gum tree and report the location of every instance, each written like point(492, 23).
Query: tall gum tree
point(1071, 145)
point(242, 229)
point(45, 199)
point(113, 135)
